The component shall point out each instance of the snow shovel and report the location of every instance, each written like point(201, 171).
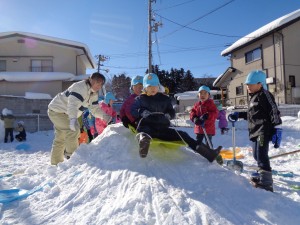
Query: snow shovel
point(234, 164)
point(219, 158)
point(206, 136)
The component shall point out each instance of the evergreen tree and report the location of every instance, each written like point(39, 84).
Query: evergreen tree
point(120, 86)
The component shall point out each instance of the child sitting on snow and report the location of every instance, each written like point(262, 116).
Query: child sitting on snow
point(154, 110)
point(22, 132)
point(106, 106)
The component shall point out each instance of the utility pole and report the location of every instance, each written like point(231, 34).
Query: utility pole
point(101, 58)
point(151, 28)
point(149, 37)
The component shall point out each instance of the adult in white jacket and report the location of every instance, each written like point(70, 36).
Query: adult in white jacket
point(65, 109)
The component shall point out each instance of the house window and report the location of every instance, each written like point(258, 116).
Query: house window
point(41, 65)
point(292, 81)
point(253, 55)
point(239, 90)
point(2, 65)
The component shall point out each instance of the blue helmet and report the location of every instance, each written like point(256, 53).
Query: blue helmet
point(204, 88)
point(109, 96)
point(220, 107)
point(255, 77)
point(150, 79)
point(136, 80)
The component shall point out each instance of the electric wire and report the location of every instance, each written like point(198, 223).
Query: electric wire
point(193, 21)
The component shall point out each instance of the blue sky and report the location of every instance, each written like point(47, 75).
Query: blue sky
point(118, 29)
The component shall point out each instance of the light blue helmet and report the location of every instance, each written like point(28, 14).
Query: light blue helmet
point(150, 79)
point(109, 96)
point(220, 107)
point(204, 88)
point(255, 77)
point(137, 80)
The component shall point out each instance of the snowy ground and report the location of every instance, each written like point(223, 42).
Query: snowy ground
point(106, 182)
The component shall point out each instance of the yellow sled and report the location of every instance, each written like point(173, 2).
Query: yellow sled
point(156, 142)
point(228, 154)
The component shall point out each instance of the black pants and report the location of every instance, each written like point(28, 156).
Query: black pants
point(200, 139)
point(169, 134)
point(20, 137)
point(10, 132)
point(260, 152)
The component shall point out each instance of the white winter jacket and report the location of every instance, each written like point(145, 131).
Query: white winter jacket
point(78, 97)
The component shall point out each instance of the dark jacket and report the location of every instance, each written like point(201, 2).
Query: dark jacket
point(263, 114)
point(22, 132)
point(158, 104)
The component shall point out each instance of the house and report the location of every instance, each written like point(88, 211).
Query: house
point(274, 49)
point(186, 100)
point(33, 69)
point(37, 63)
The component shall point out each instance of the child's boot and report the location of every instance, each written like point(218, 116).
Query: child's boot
point(262, 179)
point(206, 152)
point(144, 143)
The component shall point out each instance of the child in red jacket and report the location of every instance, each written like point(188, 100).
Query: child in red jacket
point(106, 106)
point(135, 89)
point(204, 113)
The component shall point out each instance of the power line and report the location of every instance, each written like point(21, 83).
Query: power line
point(175, 5)
point(193, 21)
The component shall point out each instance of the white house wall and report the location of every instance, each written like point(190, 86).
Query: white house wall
point(19, 88)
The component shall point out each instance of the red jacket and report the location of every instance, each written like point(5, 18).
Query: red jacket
point(201, 108)
point(102, 124)
point(126, 107)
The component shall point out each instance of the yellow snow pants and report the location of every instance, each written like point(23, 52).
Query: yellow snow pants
point(64, 137)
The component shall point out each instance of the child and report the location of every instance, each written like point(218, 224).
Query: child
point(263, 125)
point(154, 110)
point(86, 124)
point(106, 107)
point(204, 113)
point(222, 119)
point(22, 132)
point(9, 119)
point(136, 89)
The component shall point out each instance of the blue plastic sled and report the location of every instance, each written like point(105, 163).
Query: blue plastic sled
point(23, 146)
point(14, 194)
point(155, 141)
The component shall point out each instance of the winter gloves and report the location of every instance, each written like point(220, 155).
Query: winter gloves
point(167, 115)
point(276, 138)
point(145, 113)
point(201, 120)
point(233, 117)
point(72, 124)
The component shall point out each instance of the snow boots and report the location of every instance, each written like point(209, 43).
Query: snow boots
point(206, 152)
point(262, 179)
point(144, 143)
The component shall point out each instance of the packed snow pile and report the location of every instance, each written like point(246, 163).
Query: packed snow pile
point(106, 182)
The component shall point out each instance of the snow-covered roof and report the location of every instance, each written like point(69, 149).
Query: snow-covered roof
point(274, 25)
point(35, 76)
point(190, 95)
point(80, 77)
point(78, 46)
